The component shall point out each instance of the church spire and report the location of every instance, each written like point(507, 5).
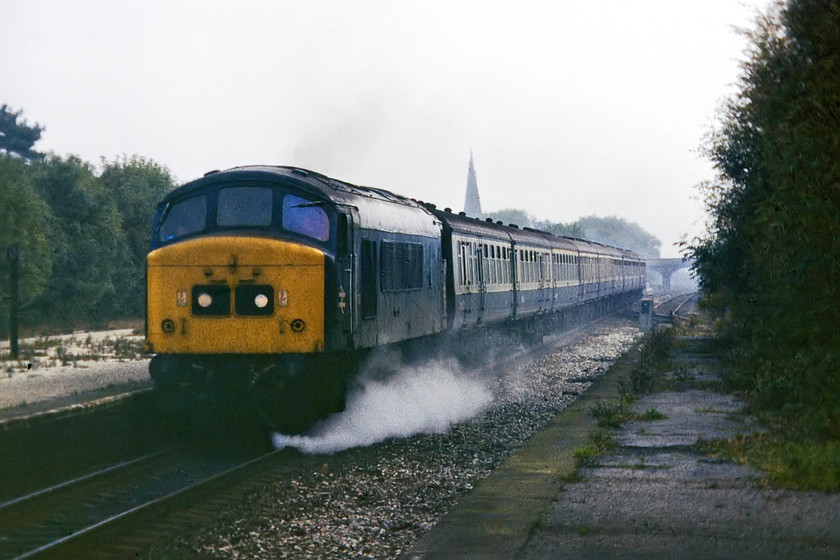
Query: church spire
point(472, 202)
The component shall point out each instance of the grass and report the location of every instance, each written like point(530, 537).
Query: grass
point(600, 442)
point(789, 461)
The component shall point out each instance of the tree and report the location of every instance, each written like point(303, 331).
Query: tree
point(618, 232)
point(87, 240)
point(17, 137)
point(512, 216)
point(134, 185)
point(770, 260)
point(25, 223)
point(613, 231)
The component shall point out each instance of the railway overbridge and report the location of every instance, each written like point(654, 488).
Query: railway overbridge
point(666, 268)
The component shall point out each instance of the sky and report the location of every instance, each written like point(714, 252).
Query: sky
point(570, 108)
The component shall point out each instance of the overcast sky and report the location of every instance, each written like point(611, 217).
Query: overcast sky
point(571, 108)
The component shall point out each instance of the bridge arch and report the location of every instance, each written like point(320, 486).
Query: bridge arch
point(666, 268)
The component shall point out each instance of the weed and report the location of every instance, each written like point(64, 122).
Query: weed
point(648, 371)
point(608, 415)
point(571, 478)
point(650, 414)
point(585, 453)
point(584, 530)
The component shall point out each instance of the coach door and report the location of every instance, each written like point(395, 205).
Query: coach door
point(543, 261)
point(481, 297)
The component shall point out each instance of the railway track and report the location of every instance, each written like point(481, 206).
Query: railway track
point(118, 511)
point(124, 509)
point(676, 305)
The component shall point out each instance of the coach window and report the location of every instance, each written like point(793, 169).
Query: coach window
point(305, 217)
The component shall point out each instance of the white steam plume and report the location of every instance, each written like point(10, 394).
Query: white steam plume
point(425, 399)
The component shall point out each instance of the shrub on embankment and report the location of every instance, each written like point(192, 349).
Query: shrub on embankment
point(770, 261)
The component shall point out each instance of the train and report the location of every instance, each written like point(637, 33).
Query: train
point(267, 285)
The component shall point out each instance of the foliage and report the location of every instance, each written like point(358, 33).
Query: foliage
point(83, 236)
point(25, 224)
point(770, 262)
point(513, 216)
point(613, 231)
point(17, 137)
point(134, 185)
point(620, 233)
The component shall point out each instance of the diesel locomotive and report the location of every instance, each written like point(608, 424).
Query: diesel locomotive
point(266, 285)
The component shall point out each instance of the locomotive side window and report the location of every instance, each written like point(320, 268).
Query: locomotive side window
point(183, 218)
point(305, 217)
point(244, 206)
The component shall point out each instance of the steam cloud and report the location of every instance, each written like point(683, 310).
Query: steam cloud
point(417, 399)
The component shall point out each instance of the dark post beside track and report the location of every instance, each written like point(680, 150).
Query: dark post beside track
point(12, 253)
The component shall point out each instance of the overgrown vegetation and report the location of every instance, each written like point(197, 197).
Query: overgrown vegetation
point(82, 232)
point(801, 464)
point(770, 262)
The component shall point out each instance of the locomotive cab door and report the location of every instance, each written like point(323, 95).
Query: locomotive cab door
point(345, 262)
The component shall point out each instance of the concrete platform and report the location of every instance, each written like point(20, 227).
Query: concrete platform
point(657, 495)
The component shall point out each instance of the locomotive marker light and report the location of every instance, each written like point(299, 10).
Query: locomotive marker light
point(204, 300)
point(261, 301)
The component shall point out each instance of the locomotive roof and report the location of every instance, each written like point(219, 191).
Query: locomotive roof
point(379, 209)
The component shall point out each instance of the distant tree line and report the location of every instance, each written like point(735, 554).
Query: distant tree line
point(770, 261)
point(82, 231)
point(611, 230)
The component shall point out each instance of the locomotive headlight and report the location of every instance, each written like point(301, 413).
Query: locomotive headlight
point(261, 301)
point(204, 300)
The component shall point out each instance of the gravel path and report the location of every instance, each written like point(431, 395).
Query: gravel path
point(375, 501)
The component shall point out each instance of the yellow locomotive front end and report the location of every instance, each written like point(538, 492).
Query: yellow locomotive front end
point(237, 275)
point(235, 295)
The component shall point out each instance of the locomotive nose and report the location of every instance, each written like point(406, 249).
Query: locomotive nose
point(228, 295)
